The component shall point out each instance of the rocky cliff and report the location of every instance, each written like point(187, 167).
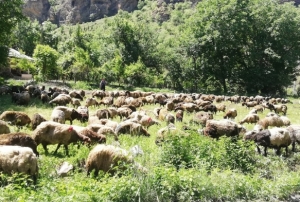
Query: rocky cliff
point(79, 11)
point(75, 11)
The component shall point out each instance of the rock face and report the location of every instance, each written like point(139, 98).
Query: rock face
point(79, 11)
point(75, 11)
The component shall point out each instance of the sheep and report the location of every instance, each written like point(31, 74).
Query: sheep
point(230, 114)
point(107, 158)
point(36, 120)
point(124, 112)
point(278, 108)
point(294, 131)
point(259, 108)
point(84, 111)
point(91, 102)
point(128, 127)
point(84, 132)
point(202, 117)
point(189, 107)
point(20, 139)
point(18, 159)
point(250, 104)
point(209, 108)
point(58, 116)
point(221, 107)
point(108, 101)
point(98, 93)
point(61, 99)
point(70, 113)
point(4, 127)
point(20, 98)
point(44, 97)
point(15, 118)
point(169, 130)
point(271, 121)
point(74, 94)
point(216, 129)
point(164, 115)
point(274, 138)
point(50, 132)
point(250, 118)
point(106, 130)
point(75, 102)
point(286, 120)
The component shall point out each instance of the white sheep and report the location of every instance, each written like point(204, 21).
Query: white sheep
point(18, 159)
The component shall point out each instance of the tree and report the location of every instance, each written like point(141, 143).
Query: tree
point(248, 44)
point(11, 14)
point(46, 61)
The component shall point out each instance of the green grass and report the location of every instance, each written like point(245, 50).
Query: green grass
point(195, 168)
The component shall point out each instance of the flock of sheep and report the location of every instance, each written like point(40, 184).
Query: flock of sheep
point(18, 151)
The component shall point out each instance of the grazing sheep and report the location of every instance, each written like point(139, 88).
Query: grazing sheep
point(20, 139)
point(61, 99)
point(108, 101)
point(16, 159)
point(84, 111)
point(36, 120)
point(216, 129)
point(250, 118)
point(259, 108)
point(294, 131)
point(58, 116)
point(169, 130)
point(4, 127)
point(50, 132)
point(286, 120)
point(124, 112)
point(164, 115)
point(250, 104)
point(75, 102)
point(107, 158)
point(106, 130)
point(202, 117)
point(98, 93)
point(128, 127)
point(15, 118)
point(20, 98)
point(271, 121)
point(278, 108)
point(44, 96)
point(74, 94)
point(179, 115)
point(209, 108)
point(230, 114)
point(91, 102)
point(221, 107)
point(273, 138)
point(70, 113)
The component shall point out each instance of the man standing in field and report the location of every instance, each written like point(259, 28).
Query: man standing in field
point(102, 84)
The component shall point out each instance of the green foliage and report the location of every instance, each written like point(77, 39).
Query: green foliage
point(46, 61)
point(203, 152)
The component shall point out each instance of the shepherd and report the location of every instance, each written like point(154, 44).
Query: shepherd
point(102, 84)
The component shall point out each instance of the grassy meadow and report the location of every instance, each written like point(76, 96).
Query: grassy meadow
point(194, 168)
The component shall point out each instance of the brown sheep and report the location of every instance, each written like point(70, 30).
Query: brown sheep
point(50, 132)
point(36, 120)
point(164, 115)
point(106, 130)
point(75, 102)
point(128, 127)
point(70, 113)
point(216, 129)
point(202, 117)
point(15, 118)
point(20, 139)
point(107, 158)
point(271, 121)
point(107, 101)
point(221, 107)
point(74, 94)
point(4, 127)
point(99, 94)
point(230, 114)
point(250, 118)
point(61, 99)
point(91, 102)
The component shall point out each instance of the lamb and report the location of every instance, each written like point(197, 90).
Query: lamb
point(36, 120)
point(273, 138)
point(58, 116)
point(216, 129)
point(15, 118)
point(70, 113)
point(230, 114)
point(50, 132)
point(4, 127)
point(18, 159)
point(250, 118)
point(294, 131)
point(107, 158)
point(271, 121)
point(20, 139)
